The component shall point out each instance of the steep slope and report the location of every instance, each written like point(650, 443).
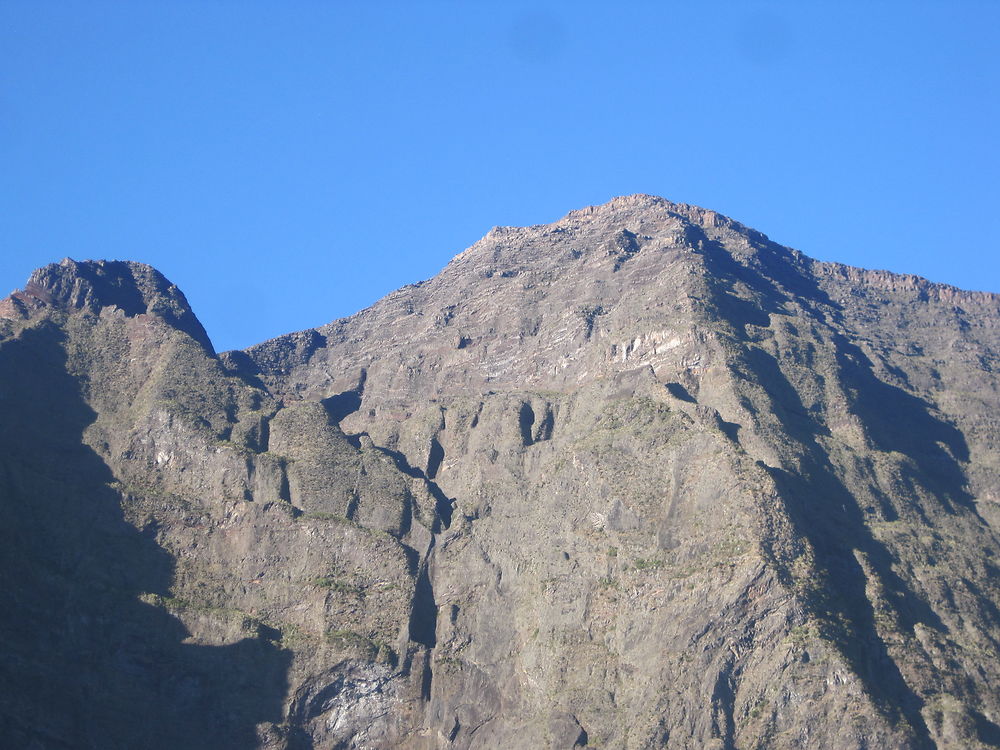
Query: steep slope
point(717, 490)
point(180, 569)
point(639, 478)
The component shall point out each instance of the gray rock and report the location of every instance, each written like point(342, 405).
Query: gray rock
point(639, 478)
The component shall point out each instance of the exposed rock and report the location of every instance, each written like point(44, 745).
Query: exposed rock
point(639, 478)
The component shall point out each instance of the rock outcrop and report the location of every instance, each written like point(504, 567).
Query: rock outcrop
point(639, 478)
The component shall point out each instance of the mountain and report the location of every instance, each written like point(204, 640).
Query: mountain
point(639, 478)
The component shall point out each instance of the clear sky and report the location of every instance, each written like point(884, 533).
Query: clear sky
point(287, 163)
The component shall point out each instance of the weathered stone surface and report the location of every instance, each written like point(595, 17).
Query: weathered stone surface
point(639, 478)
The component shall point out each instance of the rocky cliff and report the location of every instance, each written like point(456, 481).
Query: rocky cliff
point(639, 478)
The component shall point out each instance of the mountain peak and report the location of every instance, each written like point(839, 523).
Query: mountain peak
point(641, 463)
point(639, 203)
point(135, 288)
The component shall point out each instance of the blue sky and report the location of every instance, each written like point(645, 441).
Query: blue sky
point(288, 163)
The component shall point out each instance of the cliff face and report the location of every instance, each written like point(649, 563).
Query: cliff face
point(639, 478)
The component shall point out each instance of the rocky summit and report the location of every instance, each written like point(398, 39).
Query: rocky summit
point(640, 478)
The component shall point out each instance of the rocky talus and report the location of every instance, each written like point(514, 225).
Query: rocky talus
point(640, 478)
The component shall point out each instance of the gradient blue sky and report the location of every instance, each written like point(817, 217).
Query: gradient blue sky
point(288, 163)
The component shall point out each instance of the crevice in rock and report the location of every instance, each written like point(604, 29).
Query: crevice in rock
point(284, 490)
point(544, 430)
point(534, 430)
point(434, 458)
point(412, 559)
point(526, 419)
point(723, 700)
point(423, 616)
point(406, 520)
point(342, 405)
point(263, 435)
point(730, 429)
point(986, 731)
point(443, 505)
point(678, 391)
point(426, 681)
point(352, 506)
point(345, 403)
point(475, 417)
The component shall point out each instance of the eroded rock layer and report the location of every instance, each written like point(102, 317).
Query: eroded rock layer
point(640, 478)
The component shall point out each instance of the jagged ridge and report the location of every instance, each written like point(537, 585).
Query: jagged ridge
point(638, 478)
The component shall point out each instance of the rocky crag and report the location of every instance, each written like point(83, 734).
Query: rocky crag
point(639, 478)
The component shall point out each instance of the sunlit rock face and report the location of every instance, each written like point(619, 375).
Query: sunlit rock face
point(640, 478)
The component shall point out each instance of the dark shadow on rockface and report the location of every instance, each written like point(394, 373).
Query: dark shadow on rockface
point(774, 274)
point(678, 391)
point(342, 405)
point(748, 290)
point(898, 421)
point(423, 619)
point(85, 663)
point(824, 511)
point(443, 504)
point(525, 423)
